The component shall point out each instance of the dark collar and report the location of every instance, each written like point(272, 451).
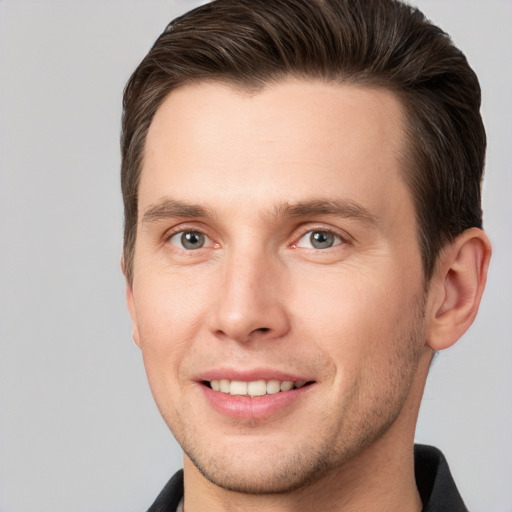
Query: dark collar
point(170, 496)
point(434, 481)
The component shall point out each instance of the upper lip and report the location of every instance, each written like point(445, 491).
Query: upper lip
point(250, 375)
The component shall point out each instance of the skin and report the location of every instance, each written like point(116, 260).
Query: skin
point(355, 319)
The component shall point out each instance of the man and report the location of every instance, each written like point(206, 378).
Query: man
point(301, 181)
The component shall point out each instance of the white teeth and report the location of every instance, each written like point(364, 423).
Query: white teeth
point(286, 385)
point(254, 388)
point(257, 388)
point(238, 388)
point(273, 386)
point(224, 385)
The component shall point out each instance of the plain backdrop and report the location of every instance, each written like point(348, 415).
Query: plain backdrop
point(78, 427)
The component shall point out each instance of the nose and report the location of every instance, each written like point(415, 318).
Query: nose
point(249, 304)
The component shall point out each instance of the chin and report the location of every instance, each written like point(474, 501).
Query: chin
point(281, 475)
point(277, 469)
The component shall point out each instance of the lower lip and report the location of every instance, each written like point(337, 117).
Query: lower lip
point(258, 407)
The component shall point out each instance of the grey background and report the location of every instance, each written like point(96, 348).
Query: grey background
point(78, 427)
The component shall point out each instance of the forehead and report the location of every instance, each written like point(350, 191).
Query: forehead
point(211, 143)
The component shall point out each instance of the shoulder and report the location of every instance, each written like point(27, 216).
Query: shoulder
point(170, 496)
point(434, 481)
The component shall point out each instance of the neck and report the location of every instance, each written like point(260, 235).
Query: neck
point(379, 479)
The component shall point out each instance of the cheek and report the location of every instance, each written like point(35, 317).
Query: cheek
point(167, 309)
point(356, 317)
point(169, 316)
point(349, 302)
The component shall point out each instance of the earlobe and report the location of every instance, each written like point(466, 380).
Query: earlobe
point(130, 302)
point(457, 288)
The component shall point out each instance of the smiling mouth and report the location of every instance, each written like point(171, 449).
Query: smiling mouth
point(254, 388)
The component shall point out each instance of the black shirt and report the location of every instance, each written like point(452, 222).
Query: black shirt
point(435, 483)
point(433, 479)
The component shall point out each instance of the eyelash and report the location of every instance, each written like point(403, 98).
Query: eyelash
point(182, 229)
point(344, 239)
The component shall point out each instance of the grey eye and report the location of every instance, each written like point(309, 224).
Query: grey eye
point(189, 240)
point(319, 240)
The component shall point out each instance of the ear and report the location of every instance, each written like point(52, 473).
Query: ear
point(130, 302)
point(456, 288)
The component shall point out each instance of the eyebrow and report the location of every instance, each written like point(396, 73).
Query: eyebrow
point(343, 208)
point(170, 208)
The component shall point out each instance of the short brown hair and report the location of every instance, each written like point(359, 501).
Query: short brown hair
point(378, 43)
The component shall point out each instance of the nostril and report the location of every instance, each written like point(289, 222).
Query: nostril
point(261, 330)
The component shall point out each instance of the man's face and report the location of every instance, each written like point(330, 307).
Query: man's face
point(277, 248)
